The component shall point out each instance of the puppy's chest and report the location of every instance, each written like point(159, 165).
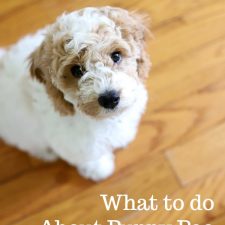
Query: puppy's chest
point(83, 132)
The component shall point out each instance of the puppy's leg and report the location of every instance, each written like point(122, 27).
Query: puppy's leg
point(99, 169)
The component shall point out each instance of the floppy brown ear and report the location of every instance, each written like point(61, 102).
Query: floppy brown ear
point(139, 29)
point(40, 70)
point(35, 65)
point(134, 29)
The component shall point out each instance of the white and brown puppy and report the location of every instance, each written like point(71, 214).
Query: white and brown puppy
point(83, 95)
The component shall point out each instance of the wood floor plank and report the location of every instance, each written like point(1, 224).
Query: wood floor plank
point(182, 38)
point(172, 11)
point(191, 115)
point(43, 187)
point(14, 162)
point(14, 166)
point(11, 5)
point(186, 74)
point(202, 154)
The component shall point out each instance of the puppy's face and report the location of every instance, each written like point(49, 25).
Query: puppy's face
point(94, 61)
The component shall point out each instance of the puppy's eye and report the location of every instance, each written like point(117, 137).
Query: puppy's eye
point(116, 56)
point(77, 71)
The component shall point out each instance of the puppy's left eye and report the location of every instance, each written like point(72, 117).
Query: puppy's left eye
point(77, 71)
point(116, 56)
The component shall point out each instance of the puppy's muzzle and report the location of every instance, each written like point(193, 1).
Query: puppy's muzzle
point(109, 99)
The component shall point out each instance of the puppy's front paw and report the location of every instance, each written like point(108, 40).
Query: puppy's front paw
point(99, 169)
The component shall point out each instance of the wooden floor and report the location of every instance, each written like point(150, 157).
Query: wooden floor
point(180, 147)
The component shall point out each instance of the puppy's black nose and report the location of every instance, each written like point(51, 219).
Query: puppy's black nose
point(109, 99)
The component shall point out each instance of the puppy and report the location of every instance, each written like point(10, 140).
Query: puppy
point(80, 94)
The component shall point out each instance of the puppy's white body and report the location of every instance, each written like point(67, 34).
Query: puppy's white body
point(29, 120)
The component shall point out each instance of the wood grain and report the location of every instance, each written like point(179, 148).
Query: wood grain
point(201, 155)
point(180, 147)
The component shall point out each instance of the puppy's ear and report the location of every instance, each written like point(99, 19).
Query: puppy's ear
point(137, 26)
point(134, 29)
point(36, 64)
point(40, 65)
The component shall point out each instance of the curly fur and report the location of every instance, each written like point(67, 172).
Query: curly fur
point(47, 112)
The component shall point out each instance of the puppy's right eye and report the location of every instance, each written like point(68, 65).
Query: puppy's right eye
point(77, 71)
point(116, 56)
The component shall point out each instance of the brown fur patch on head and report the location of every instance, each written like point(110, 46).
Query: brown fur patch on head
point(41, 70)
point(134, 28)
